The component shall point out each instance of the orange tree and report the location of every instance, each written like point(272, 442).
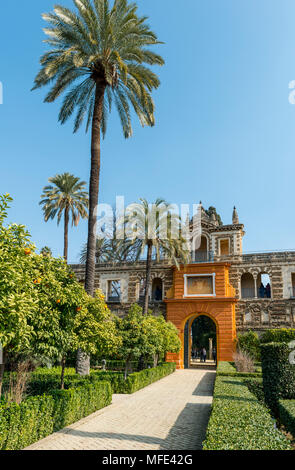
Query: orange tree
point(44, 311)
point(146, 336)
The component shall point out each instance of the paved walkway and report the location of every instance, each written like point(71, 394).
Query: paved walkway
point(171, 414)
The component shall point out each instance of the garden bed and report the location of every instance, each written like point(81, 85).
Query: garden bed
point(287, 415)
point(228, 369)
point(239, 421)
point(37, 417)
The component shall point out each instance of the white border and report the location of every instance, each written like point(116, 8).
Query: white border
point(213, 275)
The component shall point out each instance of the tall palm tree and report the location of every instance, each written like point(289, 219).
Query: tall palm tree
point(98, 56)
point(66, 196)
point(155, 231)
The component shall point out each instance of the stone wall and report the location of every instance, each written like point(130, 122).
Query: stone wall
point(256, 314)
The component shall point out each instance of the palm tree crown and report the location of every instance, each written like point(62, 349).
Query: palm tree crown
point(104, 47)
point(154, 229)
point(66, 196)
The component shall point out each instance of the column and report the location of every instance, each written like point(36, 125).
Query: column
point(210, 348)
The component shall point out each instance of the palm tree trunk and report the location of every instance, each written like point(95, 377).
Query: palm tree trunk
point(94, 188)
point(66, 234)
point(83, 361)
point(147, 278)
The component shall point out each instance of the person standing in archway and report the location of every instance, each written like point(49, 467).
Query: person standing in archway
point(204, 354)
point(214, 354)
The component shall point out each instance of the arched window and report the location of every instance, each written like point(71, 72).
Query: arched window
point(157, 290)
point(263, 286)
point(247, 286)
point(201, 253)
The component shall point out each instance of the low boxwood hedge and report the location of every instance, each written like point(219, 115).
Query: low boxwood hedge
point(278, 373)
point(136, 380)
point(76, 403)
point(287, 415)
point(21, 425)
point(227, 369)
point(37, 417)
point(239, 422)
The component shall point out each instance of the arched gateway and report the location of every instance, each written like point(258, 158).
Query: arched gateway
point(202, 289)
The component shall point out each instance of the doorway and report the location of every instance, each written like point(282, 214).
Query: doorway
point(200, 342)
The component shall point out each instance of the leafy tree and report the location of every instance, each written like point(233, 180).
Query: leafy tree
point(160, 337)
point(96, 328)
point(109, 250)
point(44, 310)
point(203, 328)
point(66, 196)
point(212, 210)
point(146, 336)
point(151, 229)
point(46, 251)
point(98, 56)
point(130, 329)
point(171, 340)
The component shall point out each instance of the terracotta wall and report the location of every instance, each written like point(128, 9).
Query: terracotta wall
point(221, 309)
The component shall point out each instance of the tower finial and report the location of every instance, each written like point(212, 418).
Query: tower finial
point(235, 216)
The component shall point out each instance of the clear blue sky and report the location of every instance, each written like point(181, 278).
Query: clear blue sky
point(225, 129)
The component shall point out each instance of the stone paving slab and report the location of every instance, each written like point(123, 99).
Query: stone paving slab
point(171, 414)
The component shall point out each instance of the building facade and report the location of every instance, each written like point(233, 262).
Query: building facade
point(238, 291)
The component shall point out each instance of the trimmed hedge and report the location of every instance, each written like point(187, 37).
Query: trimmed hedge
point(146, 377)
point(280, 335)
point(41, 383)
point(76, 403)
point(278, 373)
point(21, 425)
point(227, 369)
point(287, 415)
point(256, 387)
point(239, 422)
point(136, 380)
point(37, 417)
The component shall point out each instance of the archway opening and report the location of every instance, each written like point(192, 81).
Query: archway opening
point(247, 286)
point(200, 342)
point(201, 254)
point(157, 290)
point(264, 286)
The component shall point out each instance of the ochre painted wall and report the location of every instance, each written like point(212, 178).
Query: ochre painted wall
point(220, 308)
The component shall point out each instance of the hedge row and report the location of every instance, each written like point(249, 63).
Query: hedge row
point(227, 369)
point(280, 335)
point(239, 422)
point(287, 415)
point(37, 417)
point(278, 373)
point(137, 380)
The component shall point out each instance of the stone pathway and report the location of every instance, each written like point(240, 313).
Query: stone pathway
point(171, 414)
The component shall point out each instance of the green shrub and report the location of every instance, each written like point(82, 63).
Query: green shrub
point(256, 387)
point(76, 403)
point(249, 343)
point(137, 380)
point(287, 415)
point(23, 424)
point(146, 377)
point(280, 335)
point(239, 422)
point(37, 417)
point(278, 373)
point(227, 369)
